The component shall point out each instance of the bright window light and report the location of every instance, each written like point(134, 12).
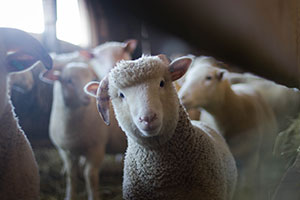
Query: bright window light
point(26, 15)
point(69, 26)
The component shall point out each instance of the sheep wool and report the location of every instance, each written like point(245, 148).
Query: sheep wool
point(184, 159)
point(188, 166)
point(17, 180)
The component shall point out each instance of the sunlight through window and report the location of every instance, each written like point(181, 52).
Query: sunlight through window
point(69, 24)
point(26, 15)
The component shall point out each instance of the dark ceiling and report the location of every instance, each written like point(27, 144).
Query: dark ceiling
point(257, 35)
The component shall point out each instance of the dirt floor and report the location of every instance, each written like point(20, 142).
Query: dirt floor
point(53, 182)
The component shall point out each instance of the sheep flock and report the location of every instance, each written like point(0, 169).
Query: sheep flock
point(137, 113)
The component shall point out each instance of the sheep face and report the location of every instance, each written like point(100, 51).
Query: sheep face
point(72, 77)
point(147, 109)
point(143, 97)
point(201, 87)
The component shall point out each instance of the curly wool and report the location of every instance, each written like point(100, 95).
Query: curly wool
point(194, 164)
point(127, 73)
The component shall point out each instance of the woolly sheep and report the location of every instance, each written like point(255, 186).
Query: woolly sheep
point(19, 177)
point(241, 115)
point(168, 156)
point(76, 129)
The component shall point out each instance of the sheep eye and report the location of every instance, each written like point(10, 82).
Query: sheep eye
point(122, 95)
point(208, 78)
point(162, 84)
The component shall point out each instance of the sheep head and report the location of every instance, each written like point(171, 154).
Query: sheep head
point(105, 56)
point(203, 85)
point(143, 96)
point(72, 77)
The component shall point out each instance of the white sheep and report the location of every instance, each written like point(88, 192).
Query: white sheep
point(102, 58)
point(241, 114)
point(168, 156)
point(106, 55)
point(19, 176)
point(284, 101)
point(76, 129)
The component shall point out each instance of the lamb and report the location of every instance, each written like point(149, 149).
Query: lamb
point(76, 129)
point(19, 176)
point(73, 112)
point(168, 156)
point(241, 114)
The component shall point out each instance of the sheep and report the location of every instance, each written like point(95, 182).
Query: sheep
point(67, 109)
point(76, 130)
point(241, 114)
point(102, 58)
point(168, 156)
point(284, 101)
point(19, 176)
point(105, 56)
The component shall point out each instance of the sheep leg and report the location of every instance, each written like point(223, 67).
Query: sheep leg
point(71, 166)
point(91, 172)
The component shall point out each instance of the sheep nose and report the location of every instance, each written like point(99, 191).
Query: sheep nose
point(147, 119)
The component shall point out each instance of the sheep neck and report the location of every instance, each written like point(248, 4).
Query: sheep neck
point(229, 111)
point(71, 116)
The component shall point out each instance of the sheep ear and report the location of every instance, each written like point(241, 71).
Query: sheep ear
point(87, 54)
point(179, 67)
point(130, 45)
point(50, 76)
point(103, 100)
point(91, 88)
point(22, 50)
point(220, 74)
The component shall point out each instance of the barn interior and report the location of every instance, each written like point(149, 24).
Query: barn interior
point(257, 36)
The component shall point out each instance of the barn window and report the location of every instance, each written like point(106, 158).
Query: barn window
point(26, 15)
point(29, 16)
point(70, 25)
